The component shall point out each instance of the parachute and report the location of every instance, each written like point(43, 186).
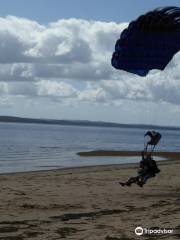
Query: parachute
point(154, 139)
point(149, 42)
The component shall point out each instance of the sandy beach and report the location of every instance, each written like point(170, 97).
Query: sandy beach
point(88, 203)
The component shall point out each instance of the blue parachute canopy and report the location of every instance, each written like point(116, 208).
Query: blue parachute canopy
point(149, 42)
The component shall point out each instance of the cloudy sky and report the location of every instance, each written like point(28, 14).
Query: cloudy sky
point(55, 62)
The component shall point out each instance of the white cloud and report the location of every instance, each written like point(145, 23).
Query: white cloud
point(3, 88)
point(65, 43)
point(44, 61)
point(55, 89)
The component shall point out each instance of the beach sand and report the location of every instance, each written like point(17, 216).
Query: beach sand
point(89, 204)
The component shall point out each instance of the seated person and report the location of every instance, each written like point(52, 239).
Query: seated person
point(147, 169)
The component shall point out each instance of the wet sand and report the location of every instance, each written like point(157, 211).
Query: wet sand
point(88, 203)
point(165, 155)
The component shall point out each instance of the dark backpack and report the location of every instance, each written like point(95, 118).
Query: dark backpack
point(153, 167)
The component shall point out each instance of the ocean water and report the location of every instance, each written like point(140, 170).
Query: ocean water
point(32, 147)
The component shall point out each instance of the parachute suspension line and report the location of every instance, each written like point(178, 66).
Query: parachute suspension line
point(147, 111)
point(152, 113)
point(154, 140)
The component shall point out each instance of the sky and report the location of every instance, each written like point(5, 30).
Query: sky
point(55, 62)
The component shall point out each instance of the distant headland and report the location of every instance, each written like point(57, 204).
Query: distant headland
point(13, 119)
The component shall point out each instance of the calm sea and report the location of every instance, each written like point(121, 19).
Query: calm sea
point(31, 147)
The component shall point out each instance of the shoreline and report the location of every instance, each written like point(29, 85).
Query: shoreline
point(97, 168)
point(104, 153)
point(79, 168)
point(169, 157)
